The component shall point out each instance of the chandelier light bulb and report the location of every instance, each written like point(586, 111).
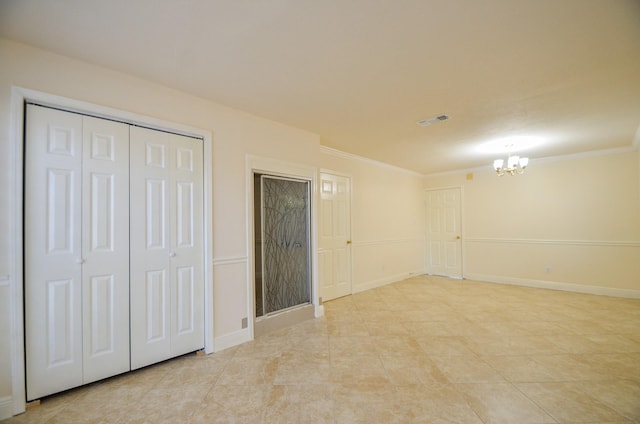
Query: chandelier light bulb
point(515, 165)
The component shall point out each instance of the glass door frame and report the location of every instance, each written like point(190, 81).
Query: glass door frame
point(309, 271)
point(266, 165)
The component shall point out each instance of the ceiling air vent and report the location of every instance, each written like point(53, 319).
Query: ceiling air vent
point(428, 121)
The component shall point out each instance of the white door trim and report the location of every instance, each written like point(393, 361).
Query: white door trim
point(18, 96)
point(257, 164)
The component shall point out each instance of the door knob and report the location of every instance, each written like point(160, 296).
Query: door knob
point(457, 237)
point(79, 261)
point(172, 254)
point(348, 241)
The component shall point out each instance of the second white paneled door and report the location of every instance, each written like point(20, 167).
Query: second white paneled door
point(167, 287)
point(76, 250)
point(334, 253)
point(444, 233)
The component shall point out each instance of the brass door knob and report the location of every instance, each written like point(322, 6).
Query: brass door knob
point(348, 241)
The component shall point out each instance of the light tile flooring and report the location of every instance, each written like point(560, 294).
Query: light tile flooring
point(423, 350)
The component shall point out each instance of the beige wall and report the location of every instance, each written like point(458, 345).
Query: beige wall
point(580, 217)
point(387, 204)
point(235, 135)
point(571, 223)
point(387, 219)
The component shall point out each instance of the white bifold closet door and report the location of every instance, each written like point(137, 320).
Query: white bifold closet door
point(76, 250)
point(167, 288)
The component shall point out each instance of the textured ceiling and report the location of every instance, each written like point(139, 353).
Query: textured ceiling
point(360, 73)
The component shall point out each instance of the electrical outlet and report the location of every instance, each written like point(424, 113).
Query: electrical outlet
point(547, 269)
point(245, 322)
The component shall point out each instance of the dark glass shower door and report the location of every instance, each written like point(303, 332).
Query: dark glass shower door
point(284, 245)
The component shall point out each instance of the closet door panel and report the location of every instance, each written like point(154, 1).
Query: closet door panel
point(105, 248)
point(113, 248)
point(167, 288)
point(53, 256)
point(187, 315)
point(150, 247)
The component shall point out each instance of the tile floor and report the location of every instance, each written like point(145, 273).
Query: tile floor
point(423, 350)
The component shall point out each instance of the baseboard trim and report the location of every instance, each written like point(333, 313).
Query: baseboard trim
point(231, 340)
point(556, 285)
point(384, 281)
point(6, 407)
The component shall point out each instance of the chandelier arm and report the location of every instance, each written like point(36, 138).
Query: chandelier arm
point(514, 165)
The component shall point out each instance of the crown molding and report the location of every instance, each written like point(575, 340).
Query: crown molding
point(339, 153)
point(549, 159)
point(592, 153)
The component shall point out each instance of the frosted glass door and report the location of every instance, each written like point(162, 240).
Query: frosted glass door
point(285, 243)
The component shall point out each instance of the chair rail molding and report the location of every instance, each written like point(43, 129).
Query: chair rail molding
point(230, 260)
point(558, 242)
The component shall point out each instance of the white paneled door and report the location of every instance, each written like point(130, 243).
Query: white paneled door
point(114, 266)
point(167, 287)
point(335, 236)
point(444, 235)
point(105, 247)
point(76, 250)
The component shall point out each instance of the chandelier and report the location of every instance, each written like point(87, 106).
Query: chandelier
point(515, 165)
